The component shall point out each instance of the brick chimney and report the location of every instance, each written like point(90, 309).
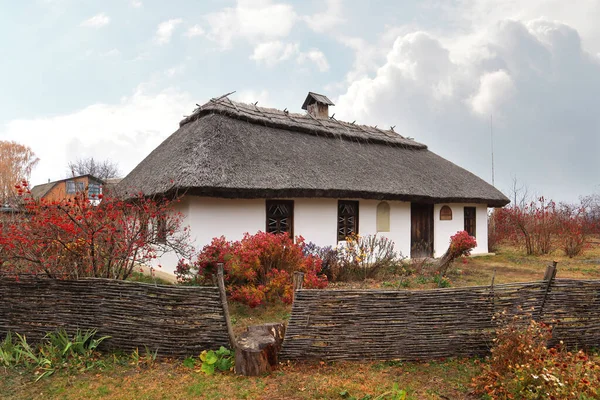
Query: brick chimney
point(317, 105)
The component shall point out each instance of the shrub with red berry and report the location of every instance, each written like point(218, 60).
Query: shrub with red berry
point(76, 237)
point(521, 366)
point(258, 268)
point(461, 245)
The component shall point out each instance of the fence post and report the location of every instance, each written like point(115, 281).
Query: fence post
point(223, 295)
point(297, 281)
point(549, 278)
point(492, 296)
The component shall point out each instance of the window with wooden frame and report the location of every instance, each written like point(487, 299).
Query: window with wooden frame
point(471, 221)
point(347, 219)
point(280, 216)
point(445, 213)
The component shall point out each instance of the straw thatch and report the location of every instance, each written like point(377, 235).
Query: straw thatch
point(234, 150)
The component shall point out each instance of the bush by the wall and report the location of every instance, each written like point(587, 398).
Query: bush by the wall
point(363, 257)
point(461, 245)
point(258, 268)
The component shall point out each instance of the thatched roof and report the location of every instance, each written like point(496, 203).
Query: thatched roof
point(229, 149)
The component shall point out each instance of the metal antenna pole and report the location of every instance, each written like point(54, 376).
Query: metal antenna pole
point(492, 142)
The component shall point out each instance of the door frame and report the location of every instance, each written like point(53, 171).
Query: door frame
point(429, 210)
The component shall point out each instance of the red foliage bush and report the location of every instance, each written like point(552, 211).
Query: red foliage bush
point(541, 226)
point(461, 244)
point(522, 366)
point(76, 238)
point(258, 268)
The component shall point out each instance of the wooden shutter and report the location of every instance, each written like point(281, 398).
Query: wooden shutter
point(347, 219)
point(280, 216)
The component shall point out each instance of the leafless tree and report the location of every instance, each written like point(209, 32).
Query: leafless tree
point(105, 169)
point(519, 194)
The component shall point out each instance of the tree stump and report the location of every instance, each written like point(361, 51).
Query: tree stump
point(257, 349)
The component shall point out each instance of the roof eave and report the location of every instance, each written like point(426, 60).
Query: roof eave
point(266, 193)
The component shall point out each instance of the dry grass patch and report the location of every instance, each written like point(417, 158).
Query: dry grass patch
point(170, 380)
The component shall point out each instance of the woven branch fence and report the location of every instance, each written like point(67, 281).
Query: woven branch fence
point(426, 324)
point(172, 320)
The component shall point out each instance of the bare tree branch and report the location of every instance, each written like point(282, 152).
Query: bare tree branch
point(105, 169)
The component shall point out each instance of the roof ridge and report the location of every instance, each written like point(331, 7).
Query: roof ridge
point(307, 123)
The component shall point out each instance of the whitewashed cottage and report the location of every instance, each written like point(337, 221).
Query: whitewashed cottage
point(245, 168)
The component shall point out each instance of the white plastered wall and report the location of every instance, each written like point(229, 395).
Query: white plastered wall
point(314, 219)
point(444, 229)
point(399, 223)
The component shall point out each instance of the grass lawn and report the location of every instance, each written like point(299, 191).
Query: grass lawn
point(447, 379)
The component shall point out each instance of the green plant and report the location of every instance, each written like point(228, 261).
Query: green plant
point(189, 362)
point(147, 359)
point(441, 281)
point(56, 351)
point(10, 351)
point(220, 360)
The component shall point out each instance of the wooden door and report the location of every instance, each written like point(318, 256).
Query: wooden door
point(421, 232)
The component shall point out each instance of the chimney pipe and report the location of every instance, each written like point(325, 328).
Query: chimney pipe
point(317, 105)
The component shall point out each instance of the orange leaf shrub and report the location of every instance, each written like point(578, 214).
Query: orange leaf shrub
point(258, 268)
point(521, 366)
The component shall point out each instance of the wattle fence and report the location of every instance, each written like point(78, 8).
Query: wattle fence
point(425, 324)
point(324, 324)
point(172, 320)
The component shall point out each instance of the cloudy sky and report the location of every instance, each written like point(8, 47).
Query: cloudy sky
point(112, 79)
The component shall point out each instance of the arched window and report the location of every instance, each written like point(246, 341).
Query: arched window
point(383, 217)
point(445, 213)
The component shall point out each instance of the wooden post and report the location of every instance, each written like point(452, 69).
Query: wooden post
point(297, 282)
point(549, 278)
point(223, 295)
point(492, 296)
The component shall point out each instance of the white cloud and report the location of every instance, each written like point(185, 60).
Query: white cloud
point(194, 31)
point(165, 30)
point(317, 57)
point(327, 20)
point(253, 20)
point(534, 77)
point(252, 96)
point(97, 21)
point(271, 53)
point(136, 3)
point(125, 132)
point(494, 89)
point(175, 71)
